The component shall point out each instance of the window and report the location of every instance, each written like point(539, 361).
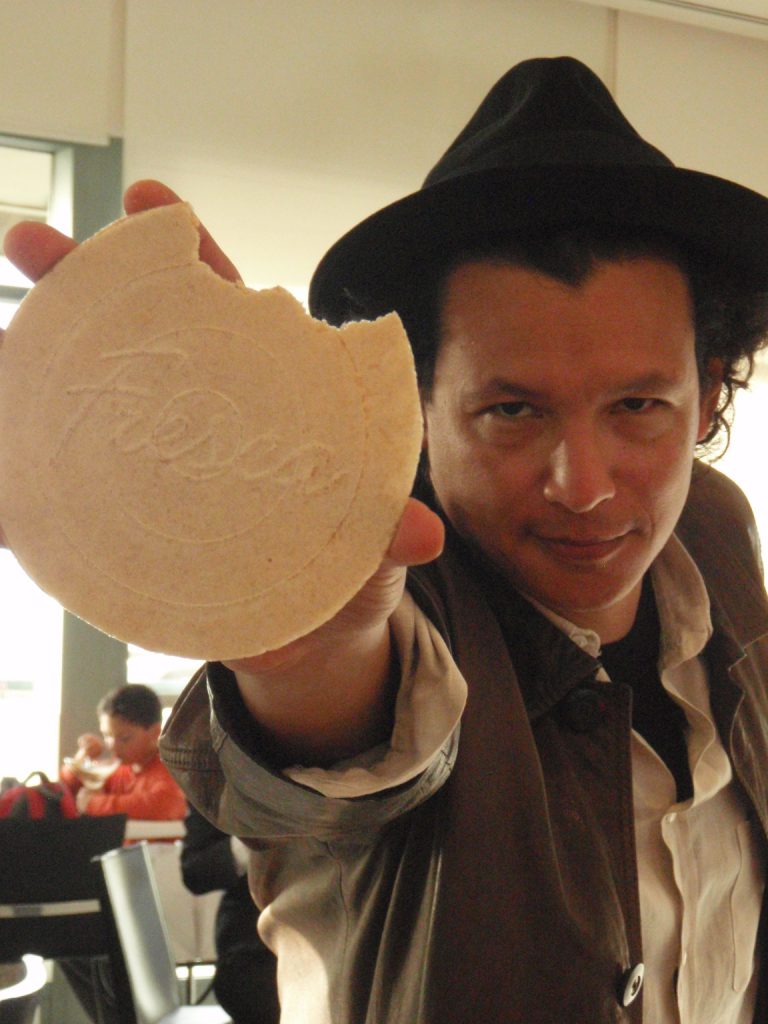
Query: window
point(743, 459)
point(30, 674)
point(77, 190)
point(33, 186)
point(165, 674)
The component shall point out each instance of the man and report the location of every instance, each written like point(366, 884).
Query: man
point(494, 794)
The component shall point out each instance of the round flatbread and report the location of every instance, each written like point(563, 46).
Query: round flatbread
point(190, 465)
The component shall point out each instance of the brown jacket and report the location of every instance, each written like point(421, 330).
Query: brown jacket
point(501, 888)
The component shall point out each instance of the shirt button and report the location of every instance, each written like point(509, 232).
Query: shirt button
point(631, 983)
point(582, 709)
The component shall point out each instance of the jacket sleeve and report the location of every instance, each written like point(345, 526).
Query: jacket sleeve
point(215, 755)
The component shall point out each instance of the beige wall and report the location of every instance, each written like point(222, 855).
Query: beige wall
point(312, 115)
point(286, 122)
point(701, 96)
point(61, 69)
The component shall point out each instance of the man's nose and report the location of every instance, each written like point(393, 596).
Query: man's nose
point(579, 474)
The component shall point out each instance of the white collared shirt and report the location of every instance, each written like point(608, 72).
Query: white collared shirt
point(701, 879)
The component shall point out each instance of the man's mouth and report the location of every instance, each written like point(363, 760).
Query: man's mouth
point(584, 549)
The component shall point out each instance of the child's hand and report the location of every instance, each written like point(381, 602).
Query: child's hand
point(89, 747)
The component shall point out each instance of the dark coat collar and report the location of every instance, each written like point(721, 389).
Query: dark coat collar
point(547, 663)
point(718, 529)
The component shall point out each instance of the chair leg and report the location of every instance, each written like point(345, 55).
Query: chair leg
point(98, 995)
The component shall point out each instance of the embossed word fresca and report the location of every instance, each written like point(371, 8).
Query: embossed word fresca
point(191, 465)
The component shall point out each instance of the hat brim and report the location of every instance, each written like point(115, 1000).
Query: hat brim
point(376, 263)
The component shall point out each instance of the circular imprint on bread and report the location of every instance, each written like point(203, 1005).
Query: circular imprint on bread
point(190, 465)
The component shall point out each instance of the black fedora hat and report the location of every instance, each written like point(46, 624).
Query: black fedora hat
point(547, 148)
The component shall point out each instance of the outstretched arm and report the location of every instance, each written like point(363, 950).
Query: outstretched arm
point(330, 694)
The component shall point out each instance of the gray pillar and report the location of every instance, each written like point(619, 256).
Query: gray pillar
point(97, 180)
point(91, 665)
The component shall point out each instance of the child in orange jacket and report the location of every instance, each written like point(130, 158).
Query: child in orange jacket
point(139, 785)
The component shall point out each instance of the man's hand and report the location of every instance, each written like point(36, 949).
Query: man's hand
point(419, 539)
point(148, 194)
point(36, 248)
point(331, 694)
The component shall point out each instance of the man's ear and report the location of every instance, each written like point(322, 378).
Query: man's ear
point(154, 730)
point(710, 388)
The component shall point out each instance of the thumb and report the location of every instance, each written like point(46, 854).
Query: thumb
point(419, 537)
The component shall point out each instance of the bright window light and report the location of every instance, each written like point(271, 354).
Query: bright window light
point(34, 185)
point(25, 180)
point(165, 674)
point(742, 460)
point(7, 308)
point(30, 674)
point(26, 193)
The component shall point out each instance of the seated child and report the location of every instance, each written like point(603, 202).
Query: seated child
point(140, 785)
point(133, 781)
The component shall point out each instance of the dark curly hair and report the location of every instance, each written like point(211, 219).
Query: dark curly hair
point(135, 703)
point(730, 315)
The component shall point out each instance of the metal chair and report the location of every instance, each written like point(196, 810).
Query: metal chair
point(19, 1001)
point(49, 887)
point(144, 969)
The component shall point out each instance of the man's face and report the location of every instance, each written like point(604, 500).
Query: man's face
point(129, 742)
point(561, 427)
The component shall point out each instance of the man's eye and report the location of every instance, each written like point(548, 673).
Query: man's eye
point(635, 404)
point(512, 410)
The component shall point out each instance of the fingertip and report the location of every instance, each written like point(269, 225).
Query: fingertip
point(35, 247)
point(16, 242)
point(212, 254)
point(146, 194)
point(420, 536)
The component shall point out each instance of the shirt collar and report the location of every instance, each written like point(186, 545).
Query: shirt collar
point(683, 606)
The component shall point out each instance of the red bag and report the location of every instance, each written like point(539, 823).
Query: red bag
point(45, 800)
